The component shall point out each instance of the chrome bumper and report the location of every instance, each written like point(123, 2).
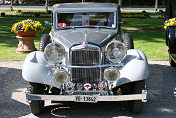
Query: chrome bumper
point(142, 97)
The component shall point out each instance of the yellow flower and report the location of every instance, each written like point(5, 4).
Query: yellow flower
point(170, 22)
point(28, 25)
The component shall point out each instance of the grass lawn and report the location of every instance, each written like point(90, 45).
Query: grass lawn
point(143, 23)
point(151, 43)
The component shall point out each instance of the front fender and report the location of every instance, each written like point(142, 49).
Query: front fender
point(35, 69)
point(135, 68)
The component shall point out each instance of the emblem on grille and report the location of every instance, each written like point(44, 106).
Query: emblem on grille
point(101, 85)
point(87, 86)
point(79, 86)
point(85, 44)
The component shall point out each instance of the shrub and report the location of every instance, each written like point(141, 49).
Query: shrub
point(161, 11)
point(2, 14)
point(49, 12)
point(37, 14)
point(161, 17)
point(18, 11)
point(144, 12)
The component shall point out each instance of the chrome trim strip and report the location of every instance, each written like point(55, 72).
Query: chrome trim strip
point(142, 97)
point(97, 66)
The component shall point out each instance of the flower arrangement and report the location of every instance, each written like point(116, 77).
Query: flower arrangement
point(27, 25)
point(170, 22)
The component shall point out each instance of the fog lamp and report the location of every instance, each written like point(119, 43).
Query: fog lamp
point(111, 74)
point(61, 77)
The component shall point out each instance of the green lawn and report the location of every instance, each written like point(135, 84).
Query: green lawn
point(143, 23)
point(151, 43)
point(152, 40)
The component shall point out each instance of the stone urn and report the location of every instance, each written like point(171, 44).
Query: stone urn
point(26, 41)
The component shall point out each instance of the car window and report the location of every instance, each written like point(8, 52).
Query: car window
point(86, 19)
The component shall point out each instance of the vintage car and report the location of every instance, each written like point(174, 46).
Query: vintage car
point(171, 32)
point(86, 58)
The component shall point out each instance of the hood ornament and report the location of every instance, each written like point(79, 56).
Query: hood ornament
point(85, 43)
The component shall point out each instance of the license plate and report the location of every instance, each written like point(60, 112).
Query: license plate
point(92, 99)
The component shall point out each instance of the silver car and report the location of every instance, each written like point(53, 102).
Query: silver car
point(86, 58)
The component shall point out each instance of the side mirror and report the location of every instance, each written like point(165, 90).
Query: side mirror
point(124, 22)
point(47, 23)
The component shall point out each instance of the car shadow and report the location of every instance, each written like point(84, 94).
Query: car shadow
point(161, 101)
point(11, 82)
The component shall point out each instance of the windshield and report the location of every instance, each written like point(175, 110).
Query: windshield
point(86, 19)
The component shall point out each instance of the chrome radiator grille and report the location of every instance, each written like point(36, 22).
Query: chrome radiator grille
point(89, 56)
point(85, 58)
point(85, 75)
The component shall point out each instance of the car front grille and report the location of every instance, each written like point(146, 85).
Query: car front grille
point(86, 57)
point(85, 75)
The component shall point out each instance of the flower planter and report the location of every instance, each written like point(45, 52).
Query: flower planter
point(26, 41)
point(26, 31)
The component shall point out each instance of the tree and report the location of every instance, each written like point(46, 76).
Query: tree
point(11, 5)
point(156, 4)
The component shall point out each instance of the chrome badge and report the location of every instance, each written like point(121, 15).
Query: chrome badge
point(87, 86)
point(79, 86)
point(101, 85)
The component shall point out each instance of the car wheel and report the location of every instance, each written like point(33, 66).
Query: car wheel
point(136, 106)
point(36, 106)
point(128, 41)
point(172, 63)
point(44, 41)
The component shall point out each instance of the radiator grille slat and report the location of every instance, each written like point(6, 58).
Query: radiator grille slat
point(85, 75)
point(85, 57)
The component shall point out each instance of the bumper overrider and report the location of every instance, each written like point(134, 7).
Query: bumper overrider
point(87, 98)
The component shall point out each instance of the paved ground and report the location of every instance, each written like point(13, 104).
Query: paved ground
point(41, 8)
point(161, 101)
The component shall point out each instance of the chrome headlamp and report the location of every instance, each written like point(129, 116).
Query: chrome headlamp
point(115, 51)
point(61, 77)
point(111, 74)
point(54, 52)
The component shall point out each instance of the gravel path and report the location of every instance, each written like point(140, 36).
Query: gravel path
point(161, 101)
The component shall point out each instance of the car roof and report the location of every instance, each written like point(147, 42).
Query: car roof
point(85, 6)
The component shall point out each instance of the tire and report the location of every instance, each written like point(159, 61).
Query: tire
point(136, 106)
point(36, 106)
point(128, 41)
point(172, 63)
point(44, 41)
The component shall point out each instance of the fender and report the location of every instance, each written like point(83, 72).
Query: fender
point(35, 69)
point(135, 68)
